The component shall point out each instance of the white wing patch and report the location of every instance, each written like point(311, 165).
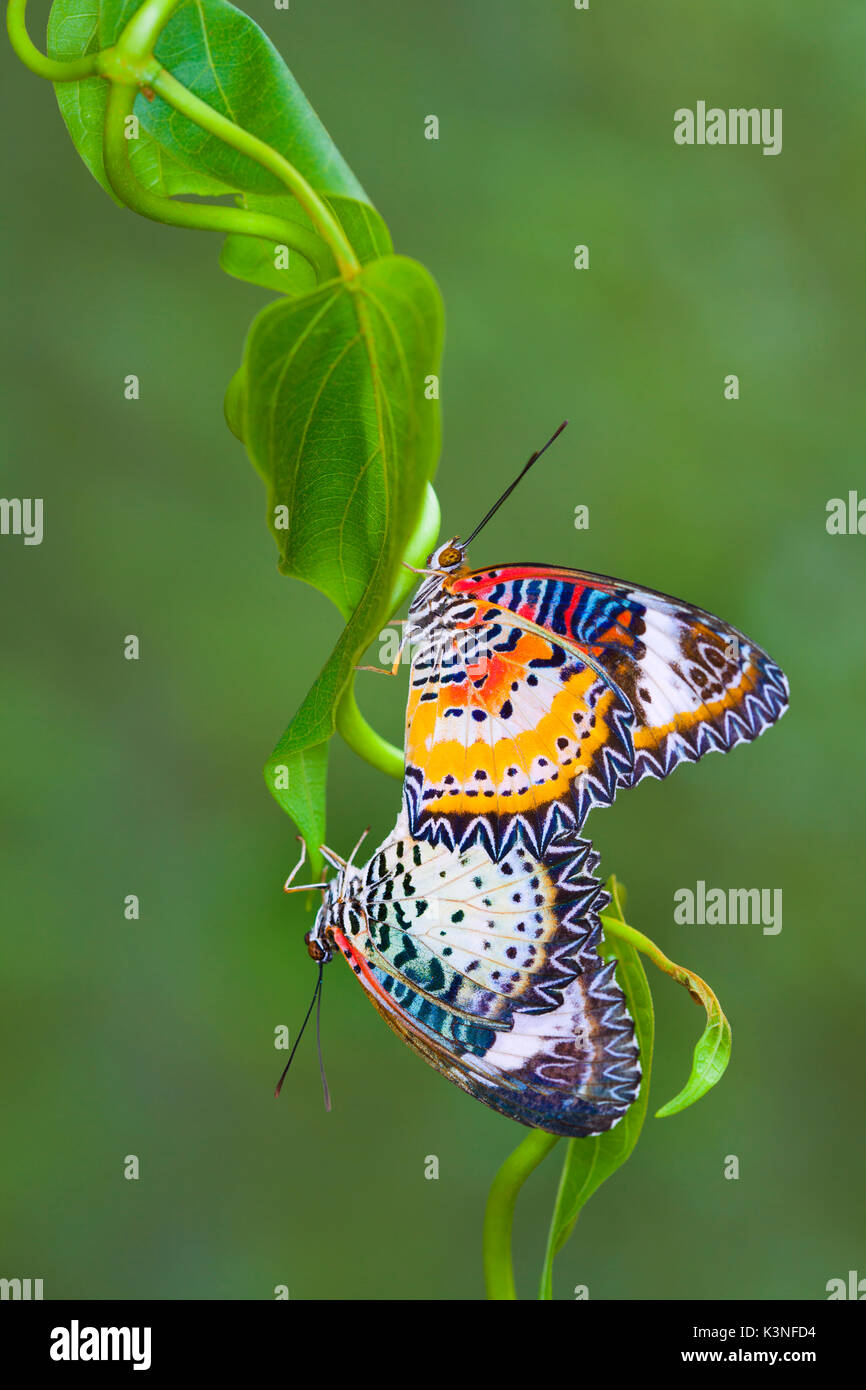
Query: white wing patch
point(493, 923)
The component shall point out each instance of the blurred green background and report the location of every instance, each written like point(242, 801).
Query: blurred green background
point(156, 1037)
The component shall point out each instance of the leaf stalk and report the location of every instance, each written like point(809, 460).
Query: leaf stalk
point(713, 1048)
point(499, 1212)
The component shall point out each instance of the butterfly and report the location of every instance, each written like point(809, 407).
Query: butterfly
point(537, 692)
point(491, 972)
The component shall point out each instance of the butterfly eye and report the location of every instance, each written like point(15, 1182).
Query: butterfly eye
point(316, 951)
point(450, 556)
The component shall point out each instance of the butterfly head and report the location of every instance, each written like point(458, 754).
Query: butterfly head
point(317, 948)
point(319, 940)
point(339, 912)
point(443, 564)
point(448, 557)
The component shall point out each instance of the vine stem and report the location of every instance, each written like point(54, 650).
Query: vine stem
point(241, 140)
point(700, 993)
point(642, 943)
point(129, 65)
point(195, 216)
point(132, 61)
point(499, 1213)
point(143, 29)
point(74, 70)
point(363, 739)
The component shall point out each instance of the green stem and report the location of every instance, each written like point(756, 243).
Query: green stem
point(72, 71)
point(499, 1214)
point(129, 65)
point(241, 140)
point(138, 39)
point(617, 927)
point(698, 989)
point(713, 1048)
point(363, 739)
point(132, 58)
point(197, 216)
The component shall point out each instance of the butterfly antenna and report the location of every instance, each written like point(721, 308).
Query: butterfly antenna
point(508, 491)
point(320, 990)
point(350, 862)
point(316, 994)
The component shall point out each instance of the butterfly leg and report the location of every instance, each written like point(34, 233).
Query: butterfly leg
point(385, 670)
point(299, 864)
point(288, 886)
point(382, 670)
point(415, 570)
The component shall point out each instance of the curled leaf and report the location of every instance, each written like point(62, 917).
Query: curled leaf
point(712, 1050)
point(337, 418)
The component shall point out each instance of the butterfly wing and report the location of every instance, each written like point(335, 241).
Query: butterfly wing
point(661, 682)
point(541, 1032)
point(694, 683)
point(511, 736)
point(483, 939)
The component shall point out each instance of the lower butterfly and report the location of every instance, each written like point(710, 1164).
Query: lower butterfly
point(491, 972)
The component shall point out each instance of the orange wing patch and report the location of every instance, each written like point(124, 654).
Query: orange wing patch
point(508, 732)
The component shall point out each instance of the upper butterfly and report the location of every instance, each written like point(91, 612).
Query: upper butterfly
point(537, 692)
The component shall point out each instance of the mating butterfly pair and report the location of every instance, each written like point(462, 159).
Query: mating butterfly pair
point(536, 693)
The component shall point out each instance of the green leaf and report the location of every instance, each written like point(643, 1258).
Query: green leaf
point(712, 1050)
point(222, 55)
point(300, 785)
point(337, 422)
point(224, 58)
point(233, 404)
point(333, 409)
point(589, 1162)
point(363, 226)
point(330, 398)
point(711, 1056)
point(253, 259)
